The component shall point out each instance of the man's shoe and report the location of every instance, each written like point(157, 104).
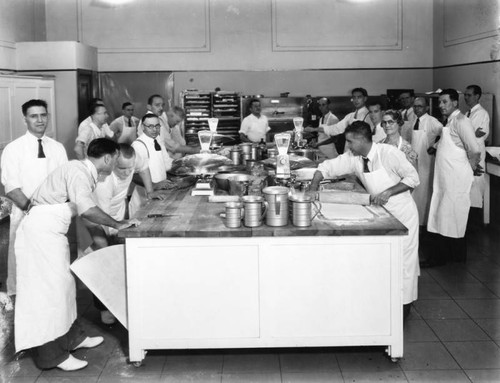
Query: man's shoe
point(72, 364)
point(90, 342)
point(107, 317)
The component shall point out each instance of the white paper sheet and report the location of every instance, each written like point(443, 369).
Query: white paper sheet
point(337, 211)
point(103, 272)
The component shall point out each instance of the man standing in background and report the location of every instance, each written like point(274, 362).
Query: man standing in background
point(406, 100)
point(255, 126)
point(25, 163)
point(480, 120)
point(98, 128)
point(125, 126)
point(174, 137)
point(325, 143)
point(375, 110)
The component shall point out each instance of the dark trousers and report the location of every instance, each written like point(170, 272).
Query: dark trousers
point(50, 354)
point(98, 304)
point(446, 249)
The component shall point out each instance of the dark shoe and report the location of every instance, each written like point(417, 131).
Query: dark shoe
point(406, 311)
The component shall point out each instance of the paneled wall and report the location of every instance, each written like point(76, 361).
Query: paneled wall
point(193, 35)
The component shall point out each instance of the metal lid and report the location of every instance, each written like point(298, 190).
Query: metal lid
point(275, 190)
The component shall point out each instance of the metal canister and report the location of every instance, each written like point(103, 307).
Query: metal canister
point(255, 153)
point(301, 210)
point(255, 210)
point(271, 153)
point(233, 214)
point(235, 155)
point(245, 157)
point(277, 211)
point(246, 147)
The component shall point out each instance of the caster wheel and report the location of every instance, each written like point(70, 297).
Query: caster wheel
point(137, 364)
point(394, 360)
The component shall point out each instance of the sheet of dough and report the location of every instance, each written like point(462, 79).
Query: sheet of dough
point(103, 272)
point(337, 211)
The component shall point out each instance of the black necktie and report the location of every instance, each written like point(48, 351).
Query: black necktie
point(130, 122)
point(157, 145)
point(415, 127)
point(468, 113)
point(406, 115)
point(41, 154)
point(445, 122)
point(365, 165)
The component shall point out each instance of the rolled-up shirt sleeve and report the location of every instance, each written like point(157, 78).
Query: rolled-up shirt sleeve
point(80, 192)
point(339, 127)
point(403, 168)
point(343, 164)
point(11, 174)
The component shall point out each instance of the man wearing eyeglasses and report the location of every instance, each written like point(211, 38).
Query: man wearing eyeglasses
point(25, 163)
point(125, 126)
point(424, 133)
point(150, 149)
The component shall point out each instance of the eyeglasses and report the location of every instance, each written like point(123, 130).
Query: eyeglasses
point(157, 126)
point(390, 122)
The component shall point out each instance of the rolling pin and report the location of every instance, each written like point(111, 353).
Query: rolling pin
point(345, 197)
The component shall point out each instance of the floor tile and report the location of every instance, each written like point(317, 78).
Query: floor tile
point(494, 287)
point(308, 362)
point(491, 327)
point(468, 291)
point(437, 376)
point(130, 379)
point(312, 377)
point(480, 308)
point(118, 365)
point(457, 330)
point(427, 356)
point(19, 379)
point(22, 366)
point(193, 362)
point(452, 273)
point(65, 379)
point(439, 309)
point(365, 360)
point(431, 290)
point(484, 275)
point(251, 363)
point(251, 378)
point(418, 331)
point(470, 355)
point(195, 376)
point(484, 376)
point(375, 376)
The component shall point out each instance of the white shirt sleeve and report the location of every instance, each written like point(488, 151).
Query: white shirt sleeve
point(10, 170)
point(343, 164)
point(339, 127)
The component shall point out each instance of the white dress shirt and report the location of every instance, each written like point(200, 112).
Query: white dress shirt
point(255, 128)
point(359, 115)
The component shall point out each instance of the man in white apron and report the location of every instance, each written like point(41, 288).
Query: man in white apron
point(150, 150)
point(45, 314)
point(424, 132)
point(174, 139)
point(457, 158)
point(25, 163)
point(97, 128)
point(406, 100)
point(327, 119)
point(124, 128)
point(480, 120)
point(359, 97)
point(388, 176)
point(376, 112)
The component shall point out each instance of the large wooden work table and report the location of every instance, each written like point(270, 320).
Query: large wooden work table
point(194, 283)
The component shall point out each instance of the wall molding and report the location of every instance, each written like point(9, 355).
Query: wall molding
point(279, 47)
point(467, 38)
point(205, 46)
point(8, 44)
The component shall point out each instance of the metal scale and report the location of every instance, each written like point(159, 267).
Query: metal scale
point(282, 141)
point(203, 185)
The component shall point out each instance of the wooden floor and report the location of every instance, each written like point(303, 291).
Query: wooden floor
point(453, 335)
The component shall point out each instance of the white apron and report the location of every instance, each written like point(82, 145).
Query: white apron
point(403, 208)
point(129, 133)
point(479, 185)
point(328, 150)
point(450, 201)
point(158, 173)
point(46, 294)
point(425, 166)
point(35, 171)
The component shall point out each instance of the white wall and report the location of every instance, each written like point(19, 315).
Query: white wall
point(178, 35)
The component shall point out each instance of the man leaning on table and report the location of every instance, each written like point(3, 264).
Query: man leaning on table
point(387, 175)
point(25, 163)
point(45, 315)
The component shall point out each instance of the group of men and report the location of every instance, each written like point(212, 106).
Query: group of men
point(438, 194)
point(47, 190)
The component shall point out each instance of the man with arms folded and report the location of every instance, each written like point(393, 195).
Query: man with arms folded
point(255, 126)
point(45, 316)
point(124, 127)
point(406, 100)
point(25, 163)
point(480, 120)
point(387, 175)
point(96, 129)
point(424, 133)
point(457, 160)
point(325, 143)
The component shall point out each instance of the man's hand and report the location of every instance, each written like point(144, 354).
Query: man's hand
point(128, 223)
point(478, 171)
point(432, 151)
point(310, 129)
point(480, 133)
point(164, 185)
point(156, 195)
point(382, 198)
